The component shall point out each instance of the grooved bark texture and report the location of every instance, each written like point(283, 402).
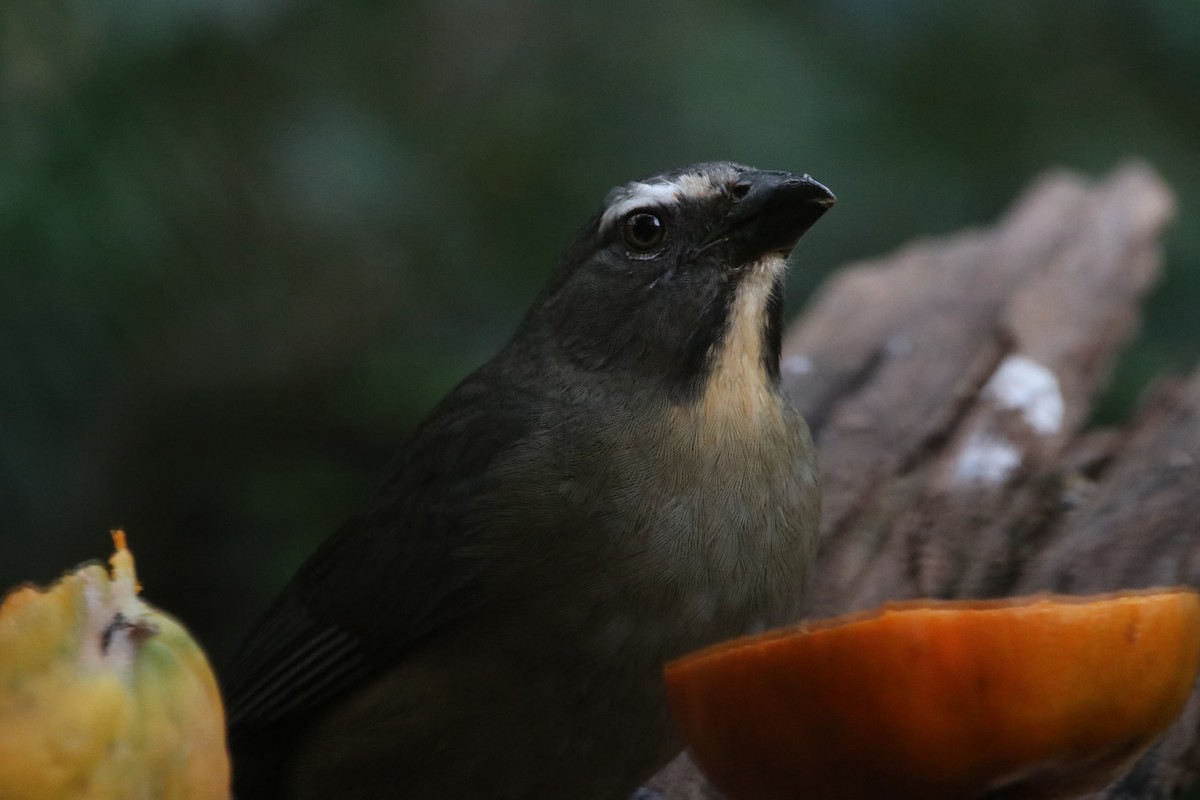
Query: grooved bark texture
point(948, 386)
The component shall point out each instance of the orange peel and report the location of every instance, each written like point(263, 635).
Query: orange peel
point(1039, 697)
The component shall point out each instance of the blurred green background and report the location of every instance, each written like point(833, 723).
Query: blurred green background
point(244, 245)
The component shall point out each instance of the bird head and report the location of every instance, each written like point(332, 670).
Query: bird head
point(677, 272)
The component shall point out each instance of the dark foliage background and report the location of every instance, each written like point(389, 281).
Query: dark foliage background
point(245, 244)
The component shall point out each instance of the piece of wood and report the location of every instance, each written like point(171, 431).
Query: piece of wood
point(948, 387)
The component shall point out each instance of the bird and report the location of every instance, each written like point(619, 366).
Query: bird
point(622, 483)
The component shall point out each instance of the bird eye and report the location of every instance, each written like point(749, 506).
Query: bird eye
point(644, 231)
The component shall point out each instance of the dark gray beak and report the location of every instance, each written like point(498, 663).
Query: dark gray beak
point(775, 210)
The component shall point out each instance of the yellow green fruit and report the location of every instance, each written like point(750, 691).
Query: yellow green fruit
point(103, 696)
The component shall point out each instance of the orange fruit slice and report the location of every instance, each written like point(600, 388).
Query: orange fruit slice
point(1048, 696)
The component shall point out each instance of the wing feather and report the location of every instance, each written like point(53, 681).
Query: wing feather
point(393, 574)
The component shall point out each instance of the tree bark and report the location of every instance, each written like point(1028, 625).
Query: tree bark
point(949, 387)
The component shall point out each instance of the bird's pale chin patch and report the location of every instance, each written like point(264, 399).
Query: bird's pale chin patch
point(768, 267)
point(738, 391)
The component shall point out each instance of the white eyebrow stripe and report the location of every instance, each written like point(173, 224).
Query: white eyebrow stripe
point(695, 187)
point(638, 195)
